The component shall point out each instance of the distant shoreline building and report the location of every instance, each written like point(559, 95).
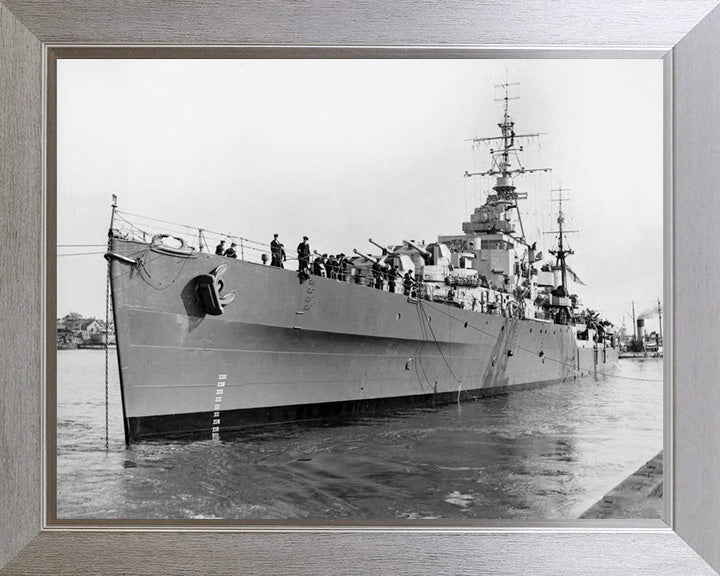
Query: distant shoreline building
point(74, 331)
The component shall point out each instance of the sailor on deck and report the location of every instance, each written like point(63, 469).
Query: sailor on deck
point(331, 267)
point(230, 252)
point(220, 248)
point(377, 275)
point(277, 250)
point(343, 267)
point(303, 252)
point(323, 266)
point(408, 282)
point(318, 266)
point(392, 278)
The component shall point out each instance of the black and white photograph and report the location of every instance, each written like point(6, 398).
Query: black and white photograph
point(367, 289)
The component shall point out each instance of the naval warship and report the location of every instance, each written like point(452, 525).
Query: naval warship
point(208, 345)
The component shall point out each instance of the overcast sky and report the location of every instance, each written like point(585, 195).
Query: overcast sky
point(344, 150)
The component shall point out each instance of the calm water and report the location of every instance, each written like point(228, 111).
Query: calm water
point(548, 453)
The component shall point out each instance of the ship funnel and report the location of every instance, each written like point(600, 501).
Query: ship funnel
point(641, 329)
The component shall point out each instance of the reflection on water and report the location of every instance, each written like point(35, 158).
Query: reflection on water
point(548, 453)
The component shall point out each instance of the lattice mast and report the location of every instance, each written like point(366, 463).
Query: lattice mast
point(562, 251)
point(506, 162)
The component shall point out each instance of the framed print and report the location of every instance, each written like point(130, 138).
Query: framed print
point(377, 380)
point(37, 41)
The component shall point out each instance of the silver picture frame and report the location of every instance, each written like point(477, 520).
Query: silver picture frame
point(684, 33)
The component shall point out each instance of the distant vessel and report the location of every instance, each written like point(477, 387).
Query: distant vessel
point(209, 344)
point(642, 344)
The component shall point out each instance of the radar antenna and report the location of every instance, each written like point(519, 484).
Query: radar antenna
point(502, 164)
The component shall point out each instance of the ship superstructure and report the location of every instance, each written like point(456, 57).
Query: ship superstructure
point(209, 344)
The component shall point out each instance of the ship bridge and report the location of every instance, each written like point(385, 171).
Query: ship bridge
point(492, 255)
point(494, 215)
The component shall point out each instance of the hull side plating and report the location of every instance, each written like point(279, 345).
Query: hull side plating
point(282, 350)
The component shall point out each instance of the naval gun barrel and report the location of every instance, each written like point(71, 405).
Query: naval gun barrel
point(384, 250)
point(422, 251)
point(370, 258)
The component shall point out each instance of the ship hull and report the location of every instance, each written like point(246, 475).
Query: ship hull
point(286, 351)
point(232, 422)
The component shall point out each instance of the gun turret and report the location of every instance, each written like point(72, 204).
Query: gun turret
point(427, 256)
point(422, 251)
point(385, 251)
point(370, 258)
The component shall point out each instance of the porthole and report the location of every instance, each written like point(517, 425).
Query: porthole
point(466, 324)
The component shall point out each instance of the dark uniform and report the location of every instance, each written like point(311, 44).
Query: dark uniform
point(230, 252)
point(331, 267)
point(392, 278)
point(343, 268)
point(377, 275)
point(318, 266)
point(408, 283)
point(303, 251)
point(220, 248)
point(278, 253)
